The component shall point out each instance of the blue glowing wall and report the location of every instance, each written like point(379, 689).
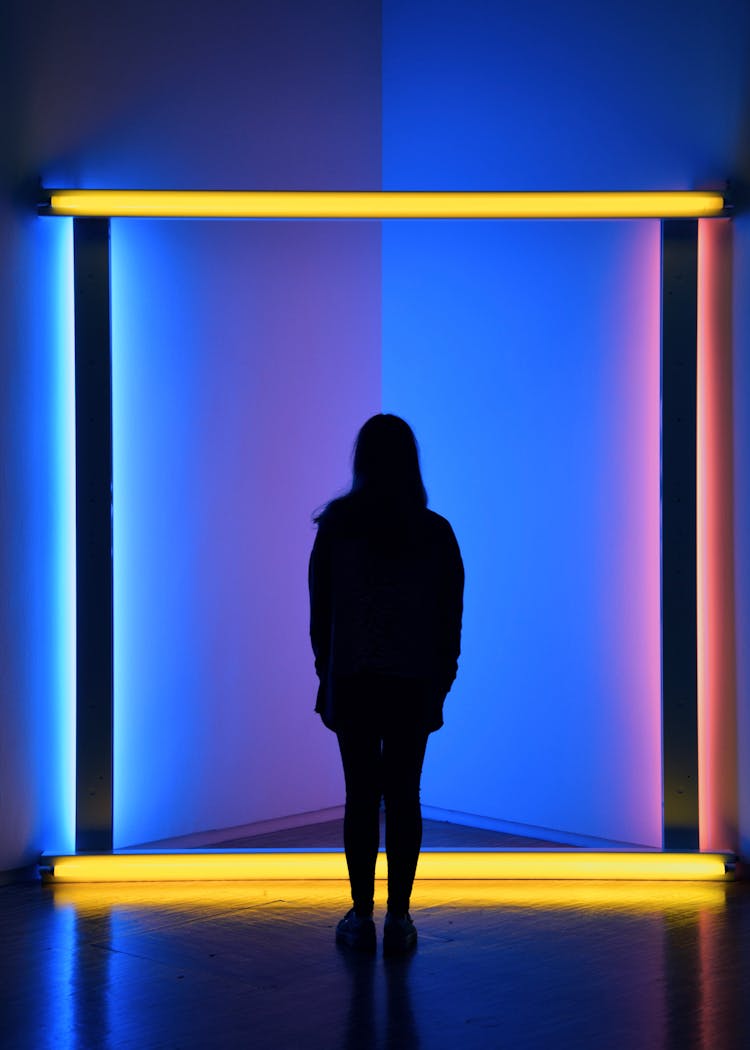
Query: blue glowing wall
point(527, 358)
point(528, 362)
point(245, 358)
point(37, 529)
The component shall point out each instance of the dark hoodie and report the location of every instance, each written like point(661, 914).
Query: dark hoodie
point(386, 598)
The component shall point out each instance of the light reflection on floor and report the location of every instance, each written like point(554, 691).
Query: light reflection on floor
point(578, 965)
point(668, 897)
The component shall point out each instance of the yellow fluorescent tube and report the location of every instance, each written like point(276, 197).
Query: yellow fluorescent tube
point(209, 204)
point(581, 864)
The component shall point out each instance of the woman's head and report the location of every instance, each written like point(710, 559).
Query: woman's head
point(386, 462)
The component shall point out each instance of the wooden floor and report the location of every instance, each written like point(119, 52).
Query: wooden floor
point(516, 965)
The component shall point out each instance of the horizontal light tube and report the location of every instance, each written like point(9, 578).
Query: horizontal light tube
point(209, 204)
point(275, 866)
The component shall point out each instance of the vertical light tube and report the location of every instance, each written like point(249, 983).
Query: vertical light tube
point(59, 235)
point(717, 689)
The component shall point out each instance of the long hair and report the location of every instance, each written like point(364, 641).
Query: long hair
point(386, 462)
point(386, 477)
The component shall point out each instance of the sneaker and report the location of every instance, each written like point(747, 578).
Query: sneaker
point(356, 931)
point(399, 934)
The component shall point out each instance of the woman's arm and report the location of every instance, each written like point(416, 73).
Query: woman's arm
point(451, 609)
point(319, 582)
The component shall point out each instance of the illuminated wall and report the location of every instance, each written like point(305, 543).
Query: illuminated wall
point(245, 357)
point(527, 358)
point(37, 522)
point(541, 443)
point(288, 94)
point(271, 94)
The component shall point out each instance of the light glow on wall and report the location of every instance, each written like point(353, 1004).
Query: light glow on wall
point(245, 357)
point(526, 356)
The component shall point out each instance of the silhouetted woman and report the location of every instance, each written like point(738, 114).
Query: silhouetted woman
point(386, 595)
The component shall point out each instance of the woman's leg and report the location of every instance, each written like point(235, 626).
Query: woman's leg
point(361, 758)
point(403, 754)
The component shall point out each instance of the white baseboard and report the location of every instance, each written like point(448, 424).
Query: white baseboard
point(511, 827)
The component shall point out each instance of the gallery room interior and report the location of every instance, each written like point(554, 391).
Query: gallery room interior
point(183, 380)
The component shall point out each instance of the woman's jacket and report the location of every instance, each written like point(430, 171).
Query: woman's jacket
point(386, 598)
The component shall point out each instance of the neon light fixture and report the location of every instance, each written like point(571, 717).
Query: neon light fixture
point(679, 291)
point(492, 865)
point(210, 204)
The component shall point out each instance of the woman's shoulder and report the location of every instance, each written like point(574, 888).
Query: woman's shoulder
point(340, 515)
point(439, 535)
point(438, 525)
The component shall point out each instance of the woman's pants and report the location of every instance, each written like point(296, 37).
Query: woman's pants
point(382, 746)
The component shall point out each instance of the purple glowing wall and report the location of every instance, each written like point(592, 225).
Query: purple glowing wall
point(245, 357)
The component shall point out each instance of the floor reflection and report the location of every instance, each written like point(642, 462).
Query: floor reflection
point(92, 979)
point(706, 972)
point(653, 965)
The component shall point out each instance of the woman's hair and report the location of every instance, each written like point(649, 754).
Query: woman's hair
point(386, 461)
point(386, 477)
